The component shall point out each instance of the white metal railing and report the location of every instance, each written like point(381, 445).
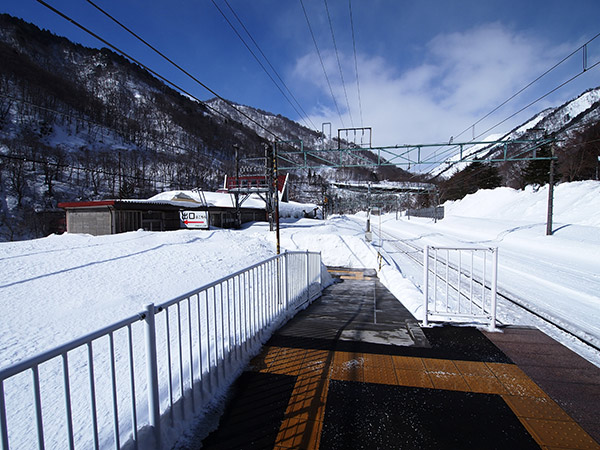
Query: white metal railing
point(460, 283)
point(130, 384)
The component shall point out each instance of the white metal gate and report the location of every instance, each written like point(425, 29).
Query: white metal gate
point(460, 284)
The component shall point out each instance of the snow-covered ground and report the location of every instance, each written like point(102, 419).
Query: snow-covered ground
point(60, 287)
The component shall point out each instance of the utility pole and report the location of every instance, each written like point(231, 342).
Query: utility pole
point(550, 183)
point(276, 199)
point(368, 234)
point(550, 194)
point(238, 213)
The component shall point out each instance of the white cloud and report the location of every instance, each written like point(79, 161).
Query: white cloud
point(462, 76)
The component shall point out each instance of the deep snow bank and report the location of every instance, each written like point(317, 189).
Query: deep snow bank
point(574, 203)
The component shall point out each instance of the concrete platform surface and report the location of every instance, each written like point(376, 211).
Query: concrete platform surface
point(355, 371)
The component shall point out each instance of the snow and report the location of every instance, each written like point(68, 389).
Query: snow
point(58, 288)
point(219, 199)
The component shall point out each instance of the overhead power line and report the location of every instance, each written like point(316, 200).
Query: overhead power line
point(91, 122)
point(528, 86)
point(322, 64)
point(355, 63)
point(586, 68)
point(153, 72)
point(239, 36)
point(22, 158)
point(304, 115)
point(337, 55)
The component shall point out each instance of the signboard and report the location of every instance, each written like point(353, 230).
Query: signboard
point(194, 219)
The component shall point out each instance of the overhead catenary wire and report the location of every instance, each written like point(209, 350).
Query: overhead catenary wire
point(240, 37)
point(356, 63)
point(58, 165)
point(337, 56)
point(523, 109)
point(305, 115)
point(89, 121)
point(585, 69)
point(153, 72)
point(529, 85)
point(475, 173)
point(322, 64)
point(538, 99)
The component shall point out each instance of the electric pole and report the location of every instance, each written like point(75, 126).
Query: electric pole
point(550, 194)
point(276, 197)
point(238, 213)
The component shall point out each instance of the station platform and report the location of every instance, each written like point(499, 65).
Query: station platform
point(355, 371)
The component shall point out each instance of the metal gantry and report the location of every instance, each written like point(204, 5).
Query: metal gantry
point(294, 158)
point(498, 151)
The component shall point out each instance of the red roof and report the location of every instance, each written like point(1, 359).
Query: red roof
point(86, 204)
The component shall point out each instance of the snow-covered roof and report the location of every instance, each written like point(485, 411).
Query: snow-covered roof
point(182, 199)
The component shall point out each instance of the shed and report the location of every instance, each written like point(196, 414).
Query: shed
point(118, 216)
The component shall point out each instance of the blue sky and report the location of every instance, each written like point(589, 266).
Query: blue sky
point(428, 69)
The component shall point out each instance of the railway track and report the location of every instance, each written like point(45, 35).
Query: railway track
point(410, 250)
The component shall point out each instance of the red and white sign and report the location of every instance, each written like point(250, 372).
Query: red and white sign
point(194, 219)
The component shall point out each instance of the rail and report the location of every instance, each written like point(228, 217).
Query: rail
point(450, 289)
point(135, 383)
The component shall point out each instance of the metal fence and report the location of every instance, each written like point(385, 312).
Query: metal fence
point(131, 384)
point(434, 212)
point(460, 284)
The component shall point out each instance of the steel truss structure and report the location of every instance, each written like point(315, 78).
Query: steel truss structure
point(293, 158)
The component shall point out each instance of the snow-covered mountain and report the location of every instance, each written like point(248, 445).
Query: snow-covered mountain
point(78, 123)
point(561, 122)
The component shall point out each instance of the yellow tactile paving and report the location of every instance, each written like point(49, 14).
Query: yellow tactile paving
point(449, 381)
point(473, 368)
point(347, 366)
point(485, 385)
point(288, 361)
point(515, 380)
point(550, 426)
point(306, 407)
point(314, 363)
point(407, 363)
point(445, 366)
point(358, 276)
point(413, 378)
point(535, 408)
point(560, 434)
point(380, 361)
point(380, 375)
point(264, 359)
